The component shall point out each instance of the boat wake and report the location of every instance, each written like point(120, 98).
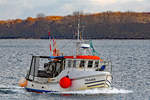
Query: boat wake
point(98, 91)
point(103, 91)
point(10, 89)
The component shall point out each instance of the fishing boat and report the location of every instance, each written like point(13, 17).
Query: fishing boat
point(60, 73)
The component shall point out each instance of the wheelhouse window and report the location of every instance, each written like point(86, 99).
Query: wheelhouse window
point(90, 64)
point(74, 63)
point(44, 67)
point(96, 64)
point(82, 63)
point(69, 63)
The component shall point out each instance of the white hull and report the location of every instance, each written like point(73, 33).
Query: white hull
point(81, 80)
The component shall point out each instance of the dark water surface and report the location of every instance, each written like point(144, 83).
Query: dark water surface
point(130, 58)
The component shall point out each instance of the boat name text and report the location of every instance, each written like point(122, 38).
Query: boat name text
point(90, 79)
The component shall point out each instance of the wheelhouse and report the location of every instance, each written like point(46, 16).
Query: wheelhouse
point(51, 67)
point(45, 67)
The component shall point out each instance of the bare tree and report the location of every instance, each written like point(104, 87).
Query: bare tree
point(40, 15)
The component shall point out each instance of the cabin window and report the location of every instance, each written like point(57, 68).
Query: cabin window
point(74, 63)
point(64, 64)
point(90, 64)
point(82, 63)
point(58, 67)
point(69, 63)
point(96, 64)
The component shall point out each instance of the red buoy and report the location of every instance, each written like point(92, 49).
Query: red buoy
point(65, 82)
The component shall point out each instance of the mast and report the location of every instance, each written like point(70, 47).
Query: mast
point(78, 38)
point(78, 35)
point(82, 47)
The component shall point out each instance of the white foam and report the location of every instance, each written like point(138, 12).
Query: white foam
point(12, 88)
point(81, 92)
point(98, 91)
point(9, 87)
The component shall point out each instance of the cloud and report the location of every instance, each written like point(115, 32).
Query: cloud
point(103, 2)
point(11, 9)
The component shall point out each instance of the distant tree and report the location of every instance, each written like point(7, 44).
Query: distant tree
point(99, 25)
point(40, 15)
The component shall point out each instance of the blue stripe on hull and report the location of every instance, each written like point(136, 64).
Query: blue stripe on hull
point(39, 91)
point(95, 85)
point(95, 81)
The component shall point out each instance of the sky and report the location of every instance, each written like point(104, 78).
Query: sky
point(13, 9)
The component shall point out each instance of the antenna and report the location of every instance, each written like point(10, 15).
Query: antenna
point(78, 38)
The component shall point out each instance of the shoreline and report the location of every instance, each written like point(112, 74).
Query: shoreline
point(74, 39)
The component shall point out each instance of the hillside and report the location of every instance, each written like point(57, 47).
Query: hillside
point(106, 25)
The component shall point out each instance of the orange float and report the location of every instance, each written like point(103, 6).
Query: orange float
point(23, 83)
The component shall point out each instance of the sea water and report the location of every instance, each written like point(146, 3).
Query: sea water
point(130, 59)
